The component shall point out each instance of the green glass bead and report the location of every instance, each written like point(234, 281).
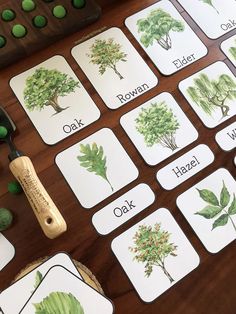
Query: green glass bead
point(59, 11)
point(6, 218)
point(78, 4)
point(40, 21)
point(28, 5)
point(19, 30)
point(8, 15)
point(14, 187)
point(3, 131)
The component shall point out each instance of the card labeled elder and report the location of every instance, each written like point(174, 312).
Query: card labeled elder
point(229, 48)
point(215, 17)
point(163, 33)
point(210, 208)
point(96, 167)
point(62, 292)
point(155, 254)
point(159, 128)
point(211, 93)
point(25, 286)
point(54, 99)
point(114, 67)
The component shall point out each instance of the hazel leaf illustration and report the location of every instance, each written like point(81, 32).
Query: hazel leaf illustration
point(93, 160)
point(221, 221)
point(209, 211)
point(209, 197)
point(224, 196)
point(38, 279)
point(232, 208)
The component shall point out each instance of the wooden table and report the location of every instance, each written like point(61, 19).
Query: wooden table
point(211, 287)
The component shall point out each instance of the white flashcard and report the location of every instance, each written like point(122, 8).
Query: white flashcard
point(25, 286)
point(7, 251)
point(54, 99)
point(211, 93)
point(96, 167)
point(159, 128)
point(163, 34)
point(214, 17)
point(185, 167)
point(122, 209)
point(229, 48)
point(155, 254)
point(210, 208)
point(226, 138)
point(63, 292)
point(114, 67)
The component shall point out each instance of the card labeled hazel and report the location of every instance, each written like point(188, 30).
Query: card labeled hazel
point(229, 48)
point(54, 99)
point(163, 34)
point(212, 93)
point(210, 208)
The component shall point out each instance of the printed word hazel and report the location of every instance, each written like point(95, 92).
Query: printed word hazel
point(179, 171)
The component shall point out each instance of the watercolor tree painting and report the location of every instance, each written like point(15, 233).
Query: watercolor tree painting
point(221, 208)
point(152, 246)
point(158, 124)
point(107, 54)
point(156, 27)
point(213, 95)
point(210, 2)
point(232, 50)
point(44, 87)
point(93, 160)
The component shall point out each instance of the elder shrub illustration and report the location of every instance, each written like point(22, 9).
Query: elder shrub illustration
point(152, 246)
point(221, 209)
point(107, 54)
point(210, 2)
point(44, 88)
point(156, 27)
point(213, 95)
point(232, 50)
point(158, 125)
point(93, 160)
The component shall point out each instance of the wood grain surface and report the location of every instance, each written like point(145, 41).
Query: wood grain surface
point(208, 289)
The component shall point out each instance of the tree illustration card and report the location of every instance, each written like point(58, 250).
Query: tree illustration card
point(163, 34)
point(210, 208)
point(7, 251)
point(159, 128)
point(54, 99)
point(61, 292)
point(229, 48)
point(155, 254)
point(25, 286)
point(214, 17)
point(114, 67)
point(96, 167)
point(211, 92)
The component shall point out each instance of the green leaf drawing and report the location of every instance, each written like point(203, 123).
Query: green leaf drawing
point(156, 27)
point(93, 160)
point(209, 2)
point(59, 303)
point(232, 51)
point(158, 125)
point(38, 279)
point(213, 95)
point(217, 207)
point(152, 246)
point(44, 87)
point(106, 54)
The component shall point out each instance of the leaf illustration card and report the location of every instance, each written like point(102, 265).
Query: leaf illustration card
point(214, 17)
point(7, 251)
point(163, 34)
point(211, 92)
point(96, 167)
point(155, 254)
point(62, 292)
point(229, 48)
point(114, 67)
point(159, 128)
point(54, 99)
point(25, 286)
point(210, 208)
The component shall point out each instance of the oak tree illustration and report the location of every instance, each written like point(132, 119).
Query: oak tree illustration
point(107, 54)
point(93, 160)
point(44, 88)
point(213, 95)
point(156, 27)
point(158, 125)
point(152, 246)
point(221, 209)
point(232, 51)
point(210, 2)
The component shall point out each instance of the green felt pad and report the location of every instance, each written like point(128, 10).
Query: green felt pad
point(59, 11)
point(6, 218)
point(3, 131)
point(19, 31)
point(8, 15)
point(28, 5)
point(2, 41)
point(40, 21)
point(14, 187)
point(78, 4)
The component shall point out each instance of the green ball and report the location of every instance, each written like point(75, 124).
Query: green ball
point(28, 5)
point(14, 187)
point(6, 218)
point(2, 41)
point(78, 4)
point(3, 131)
point(40, 21)
point(59, 11)
point(8, 15)
point(19, 30)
